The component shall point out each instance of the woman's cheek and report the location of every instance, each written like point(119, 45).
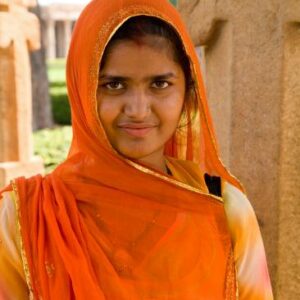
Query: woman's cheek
point(108, 110)
point(173, 106)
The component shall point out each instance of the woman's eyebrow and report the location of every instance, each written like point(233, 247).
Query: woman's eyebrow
point(125, 78)
point(113, 77)
point(163, 76)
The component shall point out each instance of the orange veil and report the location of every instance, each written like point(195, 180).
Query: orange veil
point(104, 227)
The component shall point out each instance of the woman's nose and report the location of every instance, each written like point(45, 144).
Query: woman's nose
point(137, 105)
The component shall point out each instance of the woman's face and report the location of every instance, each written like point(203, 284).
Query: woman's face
point(140, 98)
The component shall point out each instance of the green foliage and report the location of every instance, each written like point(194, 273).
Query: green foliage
point(174, 2)
point(58, 92)
point(52, 145)
point(56, 70)
point(61, 109)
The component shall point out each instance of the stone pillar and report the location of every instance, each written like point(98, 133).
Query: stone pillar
point(288, 279)
point(252, 75)
point(50, 41)
point(60, 39)
point(19, 32)
point(67, 35)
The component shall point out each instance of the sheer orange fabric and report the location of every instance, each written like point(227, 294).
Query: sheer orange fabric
point(104, 227)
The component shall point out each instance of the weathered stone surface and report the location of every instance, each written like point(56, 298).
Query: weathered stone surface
point(42, 108)
point(19, 32)
point(288, 279)
point(11, 170)
point(252, 76)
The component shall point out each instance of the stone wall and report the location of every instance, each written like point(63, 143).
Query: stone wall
point(252, 76)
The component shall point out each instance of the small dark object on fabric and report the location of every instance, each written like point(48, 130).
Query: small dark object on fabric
point(213, 184)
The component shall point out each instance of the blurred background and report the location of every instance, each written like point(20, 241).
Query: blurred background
point(51, 110)
point(250, 57)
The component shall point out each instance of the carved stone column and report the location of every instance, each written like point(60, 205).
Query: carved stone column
point(67, 35)
point(50, 41)
point(19, 32)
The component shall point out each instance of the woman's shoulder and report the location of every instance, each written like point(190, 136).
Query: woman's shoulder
point(240, 214)
point(12, 277)
point(10, 239)
point(7, 206)
point(252, 271)
point(236, 202)
point(8, 218)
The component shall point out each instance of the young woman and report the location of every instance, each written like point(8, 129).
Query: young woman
point(143, 207)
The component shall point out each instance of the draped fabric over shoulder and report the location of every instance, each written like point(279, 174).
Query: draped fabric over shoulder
point(104, 227)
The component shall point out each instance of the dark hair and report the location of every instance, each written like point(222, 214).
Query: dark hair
point(138, 28)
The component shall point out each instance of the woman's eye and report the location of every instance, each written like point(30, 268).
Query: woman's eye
point(160, 84)
point(114, 85)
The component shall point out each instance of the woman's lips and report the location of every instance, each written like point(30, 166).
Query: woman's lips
point(137, 130)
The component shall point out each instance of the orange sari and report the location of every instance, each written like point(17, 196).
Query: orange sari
point(105, 227)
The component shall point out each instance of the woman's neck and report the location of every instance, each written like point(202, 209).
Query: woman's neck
point(155, 161)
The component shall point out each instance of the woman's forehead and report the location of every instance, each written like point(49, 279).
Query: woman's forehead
point(150, 46)
point(129, 58)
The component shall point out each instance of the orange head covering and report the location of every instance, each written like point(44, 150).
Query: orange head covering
point(104, 227)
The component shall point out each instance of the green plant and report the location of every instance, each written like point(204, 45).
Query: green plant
point(61, 109)
point(58, 92)
point(56, 70)
point(52, 145)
